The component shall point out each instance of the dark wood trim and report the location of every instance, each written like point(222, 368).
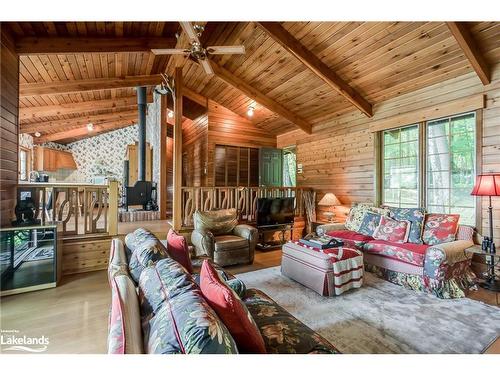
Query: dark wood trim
point(479, 165)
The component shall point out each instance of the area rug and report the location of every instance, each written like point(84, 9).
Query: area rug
point(381, 317)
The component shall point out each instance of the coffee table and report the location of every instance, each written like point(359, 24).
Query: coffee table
point(328, 272)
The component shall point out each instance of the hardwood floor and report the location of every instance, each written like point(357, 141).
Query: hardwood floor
point(74, 316)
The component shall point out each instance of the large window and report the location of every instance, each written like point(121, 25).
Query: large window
point(451, 150)
point(448, 165)
point(400, 167)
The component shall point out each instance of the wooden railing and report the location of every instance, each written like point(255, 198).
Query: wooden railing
point(244, 199)
point(82, 209)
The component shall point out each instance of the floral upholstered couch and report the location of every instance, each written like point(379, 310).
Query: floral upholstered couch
point(406, 246)
point(157, 307)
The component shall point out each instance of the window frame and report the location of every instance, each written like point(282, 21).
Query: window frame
point(422, 159)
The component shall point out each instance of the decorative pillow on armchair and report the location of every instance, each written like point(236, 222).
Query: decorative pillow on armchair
point(440, 228)
point(392, 230)
point(219, 222)
point(415, 216)
point(356, 215)
point(370, 222)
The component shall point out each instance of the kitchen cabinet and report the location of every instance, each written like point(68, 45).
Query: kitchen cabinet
point(50, 160)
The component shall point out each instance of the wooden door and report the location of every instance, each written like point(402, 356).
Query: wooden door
point(270, 166)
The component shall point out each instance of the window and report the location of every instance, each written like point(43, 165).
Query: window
point(451, 150)
point(400, 167)
point(289, 167)
point(24, 161)
point(442, 178)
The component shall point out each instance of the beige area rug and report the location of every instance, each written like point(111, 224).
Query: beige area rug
point(382, 317)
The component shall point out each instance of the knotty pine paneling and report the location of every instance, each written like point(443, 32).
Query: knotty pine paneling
point(194, 150)
point(227, 128)
point(339, 156)
point(9, 75)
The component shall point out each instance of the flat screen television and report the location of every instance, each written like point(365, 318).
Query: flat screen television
point(275, 211)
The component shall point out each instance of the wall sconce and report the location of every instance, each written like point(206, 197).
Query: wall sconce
point(170, 114)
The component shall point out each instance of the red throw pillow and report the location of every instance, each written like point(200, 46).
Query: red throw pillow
point(178, 250)
point(392, 230)
point(231, 310)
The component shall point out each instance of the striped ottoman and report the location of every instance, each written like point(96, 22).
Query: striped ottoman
point(328, 272)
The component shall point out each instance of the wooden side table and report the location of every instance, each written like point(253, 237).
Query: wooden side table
point(490, 281)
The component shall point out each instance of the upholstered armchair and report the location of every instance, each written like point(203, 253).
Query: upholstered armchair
point(218, 235)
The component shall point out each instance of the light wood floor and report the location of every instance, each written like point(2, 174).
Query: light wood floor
point(74, 316)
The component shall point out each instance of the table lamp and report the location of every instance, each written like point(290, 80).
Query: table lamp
point(330, 200)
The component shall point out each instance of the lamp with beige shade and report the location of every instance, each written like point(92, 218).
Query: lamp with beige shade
point(329, 200)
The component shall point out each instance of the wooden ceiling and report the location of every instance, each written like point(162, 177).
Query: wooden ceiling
point(375, 60)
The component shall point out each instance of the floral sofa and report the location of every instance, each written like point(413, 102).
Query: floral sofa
point(432, 257)
point(157, 307)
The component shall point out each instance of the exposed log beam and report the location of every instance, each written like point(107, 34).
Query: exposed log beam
point(471, 50)
point(292, 45)
point(62, 45)
point(260, 98)
point(72, 86)
point(83, 132)
point(66, 124)
point(79, 107)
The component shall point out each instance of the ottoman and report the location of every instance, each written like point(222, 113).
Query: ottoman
point(328, 272)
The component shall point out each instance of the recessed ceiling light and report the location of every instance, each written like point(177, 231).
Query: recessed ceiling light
point(170, 114)
point(90, 126)
point(37, 134)
point(250, 111)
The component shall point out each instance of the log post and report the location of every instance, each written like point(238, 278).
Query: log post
point(177, 196)
point(112, 208)
point(163, 158)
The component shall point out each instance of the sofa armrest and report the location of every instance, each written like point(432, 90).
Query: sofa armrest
point(322, 229)
point(203, 242)
point(445, 253)
point(251, 234)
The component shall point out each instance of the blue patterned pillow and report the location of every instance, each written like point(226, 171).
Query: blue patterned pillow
point(370, 222)
point(415, 216)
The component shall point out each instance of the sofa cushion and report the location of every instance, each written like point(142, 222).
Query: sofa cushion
point(392, 230)
point(370, 222)
point(415, 216)
point(145, 255)
point(405, 252)
point(356, 215)
point(178, 250)
point(124, 331)
point(219, 222)
point(282, 332)
point(231, 311)
point(175, 316)
point(118, 262)
point(440, 228)
point(351, 239)
point(230, 242)
point(139, 237)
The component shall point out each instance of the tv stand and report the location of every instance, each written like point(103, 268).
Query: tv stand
point(266, 245)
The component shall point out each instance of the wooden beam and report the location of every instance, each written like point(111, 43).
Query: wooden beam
point(26, 113)
point(260, 98)
point(311, 61)
point(65, 124)
point(177, 196)
point(471, 50)
point(72, 86)
point(195, 97)
point(62, 45)
point(163, 158)
point(83, 132)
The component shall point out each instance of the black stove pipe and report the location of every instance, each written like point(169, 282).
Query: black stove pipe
point(141, 149)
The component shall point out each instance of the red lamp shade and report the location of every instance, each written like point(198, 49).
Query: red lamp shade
point(487, 184)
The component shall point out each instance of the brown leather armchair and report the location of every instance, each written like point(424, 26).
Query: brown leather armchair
point(218, 235)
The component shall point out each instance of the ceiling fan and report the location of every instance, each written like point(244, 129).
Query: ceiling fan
point(196, 51)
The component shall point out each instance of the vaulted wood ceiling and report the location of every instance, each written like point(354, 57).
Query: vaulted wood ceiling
point(377, 60)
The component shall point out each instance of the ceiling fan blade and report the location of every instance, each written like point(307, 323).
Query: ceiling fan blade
point(206, 66)
point(220, 50)
point(169, 51)
point(188, 28)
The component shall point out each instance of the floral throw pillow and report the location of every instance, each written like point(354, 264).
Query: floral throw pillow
point(370, 222)
point(440, 228)
point(392, 230)
point(356, 215)
point(415, 216)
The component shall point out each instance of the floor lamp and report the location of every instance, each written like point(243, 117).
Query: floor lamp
point(489, 185)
